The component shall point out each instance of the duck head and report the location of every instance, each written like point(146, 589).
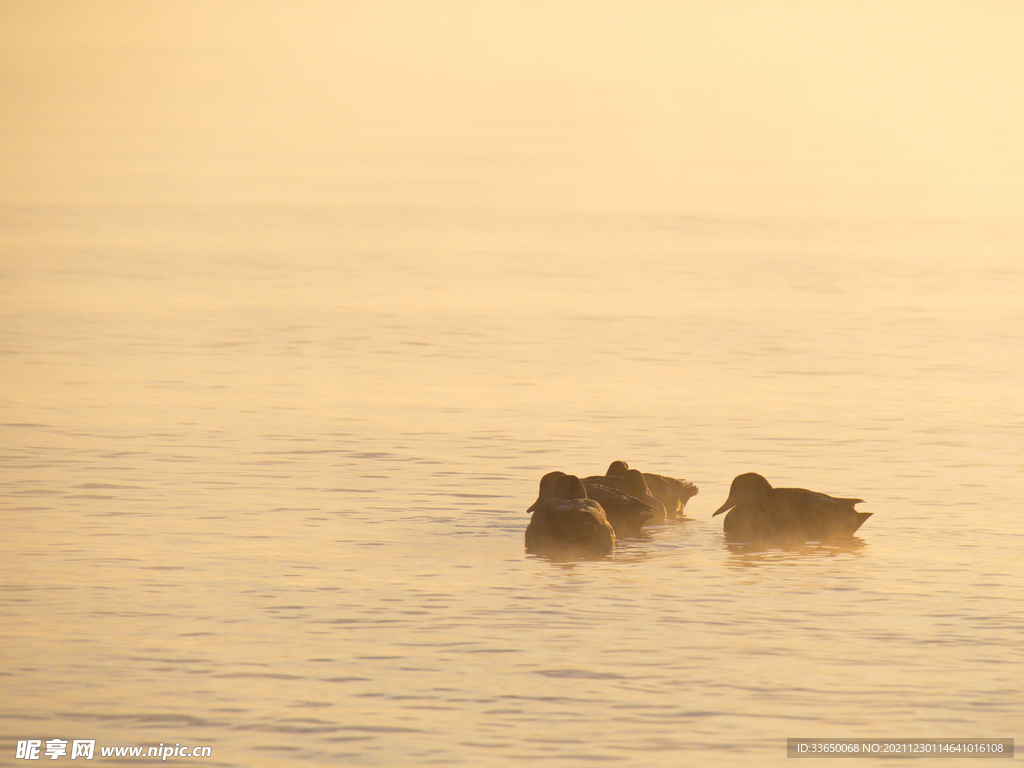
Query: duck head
point(634, 484)
point(745, 489)
point(558, 485)
point(569, 487)
point(617, 469)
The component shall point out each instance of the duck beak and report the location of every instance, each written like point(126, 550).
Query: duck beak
point(729, 504)
point(533, 507)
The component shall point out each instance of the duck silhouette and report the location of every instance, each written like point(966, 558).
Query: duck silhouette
point(671, 492)
point(631, 483)
point(762, 514)
point(567, 524)
point(627, 514)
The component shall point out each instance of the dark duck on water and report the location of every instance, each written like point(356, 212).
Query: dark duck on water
point(671, 492)
point(566, 524)
point(762, 514)
point(627, 514)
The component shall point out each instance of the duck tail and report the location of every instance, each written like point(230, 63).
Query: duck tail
point(861, 518)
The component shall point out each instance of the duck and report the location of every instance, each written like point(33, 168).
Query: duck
point(670, 491)
point(631, 483)
point(568, 524)
point(626, 514)
point(763, 514)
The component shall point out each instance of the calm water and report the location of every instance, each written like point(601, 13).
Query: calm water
point(296, 310)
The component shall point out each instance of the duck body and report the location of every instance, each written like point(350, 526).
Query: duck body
point(671, 492)
point(759, 513)
point(633, 484)
point(569, 525)
point(626, 514)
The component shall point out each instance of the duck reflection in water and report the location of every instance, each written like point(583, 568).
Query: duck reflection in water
point(760, 515)
point(766, 553)
point(568, 525)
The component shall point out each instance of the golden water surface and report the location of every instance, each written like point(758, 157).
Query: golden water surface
point(298, 301)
